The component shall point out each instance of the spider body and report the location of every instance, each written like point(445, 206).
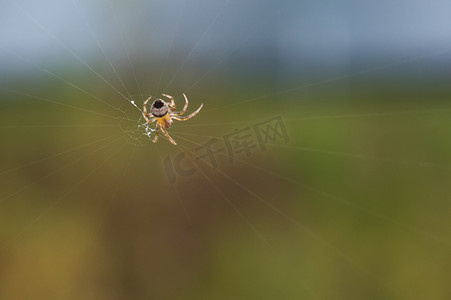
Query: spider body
point(165, 121)
point(159, 108)
point(163, 113)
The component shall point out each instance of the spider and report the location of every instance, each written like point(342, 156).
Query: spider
point(163, 113)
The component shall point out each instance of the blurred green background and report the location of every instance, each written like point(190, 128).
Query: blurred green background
point(355, 205)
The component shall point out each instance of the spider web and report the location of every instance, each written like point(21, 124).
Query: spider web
point(358, 187)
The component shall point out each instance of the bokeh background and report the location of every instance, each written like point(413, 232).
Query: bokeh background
point(356, 205)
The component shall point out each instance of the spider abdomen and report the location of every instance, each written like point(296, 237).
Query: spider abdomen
point(159, 108)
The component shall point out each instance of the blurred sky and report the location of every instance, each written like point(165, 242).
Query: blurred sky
point(286, 33)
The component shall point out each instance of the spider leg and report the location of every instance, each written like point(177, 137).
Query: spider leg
point(172, 105)
point(178, 118)
point(151, 120)
point(145, 114)
point(145, 103)
point(167, 135)
point(155, 139)
point(184, 107)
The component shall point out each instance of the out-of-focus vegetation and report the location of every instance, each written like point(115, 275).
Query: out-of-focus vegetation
point(355, 206)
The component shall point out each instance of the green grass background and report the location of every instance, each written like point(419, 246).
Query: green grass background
point(355, 206)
